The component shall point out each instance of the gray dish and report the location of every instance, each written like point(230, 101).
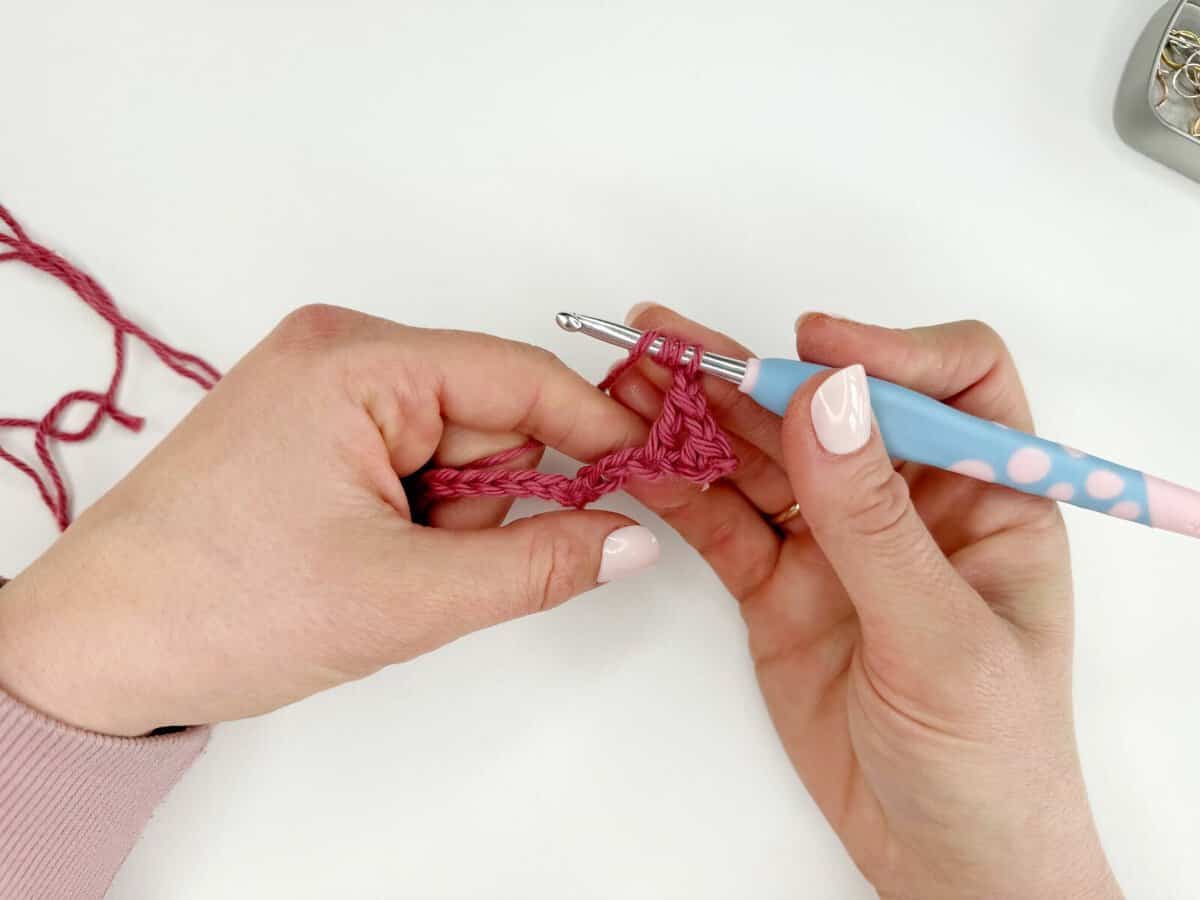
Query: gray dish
point(1162, 133)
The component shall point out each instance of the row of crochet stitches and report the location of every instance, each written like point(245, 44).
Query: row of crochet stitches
point(685, 441)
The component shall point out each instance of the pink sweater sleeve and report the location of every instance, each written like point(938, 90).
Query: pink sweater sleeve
point(73, 803)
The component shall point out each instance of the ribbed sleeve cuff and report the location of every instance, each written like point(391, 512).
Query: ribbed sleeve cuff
point(73, 803)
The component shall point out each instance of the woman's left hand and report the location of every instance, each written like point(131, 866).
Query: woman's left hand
point(266, 549)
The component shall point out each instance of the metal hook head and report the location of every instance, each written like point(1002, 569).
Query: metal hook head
point(568, 322)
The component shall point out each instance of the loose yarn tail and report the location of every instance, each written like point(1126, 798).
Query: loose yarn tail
point(46, 430)
point(685, 441)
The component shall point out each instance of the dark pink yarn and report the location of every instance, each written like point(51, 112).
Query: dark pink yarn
point(45, 430)
point(685, 441)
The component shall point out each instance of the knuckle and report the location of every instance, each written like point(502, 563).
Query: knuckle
point(542, 357)
point(880, 505)
point(753, 465)
point(314, 323)
point(668, 498)
point(982, 333)
point(720, 536)
point(554, 563)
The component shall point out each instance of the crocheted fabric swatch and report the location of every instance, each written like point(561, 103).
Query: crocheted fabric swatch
point(685, 441)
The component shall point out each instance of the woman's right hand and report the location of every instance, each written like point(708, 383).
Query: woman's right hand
point(912, 629)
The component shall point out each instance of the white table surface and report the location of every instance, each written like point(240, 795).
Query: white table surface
point(484, 164)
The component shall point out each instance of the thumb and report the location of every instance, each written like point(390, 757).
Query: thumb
point(912, 605)
point(491, 575)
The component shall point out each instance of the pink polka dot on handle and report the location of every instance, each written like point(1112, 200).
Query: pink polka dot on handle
point(1029, 465)
point(1104, 484)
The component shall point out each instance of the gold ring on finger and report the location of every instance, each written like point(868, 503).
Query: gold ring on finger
point(787, 515)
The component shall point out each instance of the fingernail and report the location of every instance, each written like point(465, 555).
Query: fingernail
point(636, 310)
point(841, 411)
point(627, 550)
point(804, 317)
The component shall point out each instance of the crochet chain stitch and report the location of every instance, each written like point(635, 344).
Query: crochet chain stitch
point(685, 441)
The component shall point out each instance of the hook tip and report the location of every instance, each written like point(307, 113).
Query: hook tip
point(568, 322)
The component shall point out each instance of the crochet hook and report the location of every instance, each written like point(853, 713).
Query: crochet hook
point(919, 429)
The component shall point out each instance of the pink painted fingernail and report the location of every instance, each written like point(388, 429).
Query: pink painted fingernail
point(841, 411)
point(636, 310)
point(627, 550)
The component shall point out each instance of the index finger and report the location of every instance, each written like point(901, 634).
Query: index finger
point(965, 364)
point(491, 384)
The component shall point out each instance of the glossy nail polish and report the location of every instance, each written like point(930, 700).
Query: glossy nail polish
point(841, 411)
point(627, 550)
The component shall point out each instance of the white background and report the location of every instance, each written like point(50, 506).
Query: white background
point(482, 165)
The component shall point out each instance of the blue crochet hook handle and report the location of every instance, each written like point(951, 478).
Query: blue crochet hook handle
point(919, 429)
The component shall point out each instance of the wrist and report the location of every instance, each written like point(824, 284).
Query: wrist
point(48, 664)
point(26, 667)
point(1099, 885)
point(1042, 870)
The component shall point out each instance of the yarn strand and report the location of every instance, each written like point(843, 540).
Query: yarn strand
point(46, 430)
point(684, 441)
